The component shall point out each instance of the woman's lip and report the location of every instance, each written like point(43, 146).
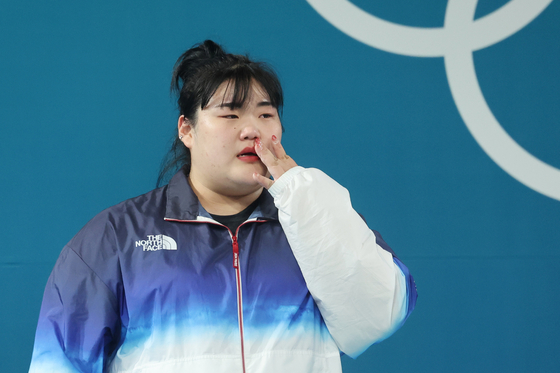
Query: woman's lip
point(248, 158)
point(247, 150)
point(248, 155)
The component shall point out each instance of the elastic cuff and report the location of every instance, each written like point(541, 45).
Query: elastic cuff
point(284, 180)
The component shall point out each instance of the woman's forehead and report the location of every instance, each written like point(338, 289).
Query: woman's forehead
point(225, 92)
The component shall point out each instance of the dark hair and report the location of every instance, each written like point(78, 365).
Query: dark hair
point(197, 74)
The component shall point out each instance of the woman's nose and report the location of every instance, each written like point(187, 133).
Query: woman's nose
point(250, 130)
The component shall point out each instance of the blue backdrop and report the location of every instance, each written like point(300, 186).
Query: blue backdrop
point(445, 132)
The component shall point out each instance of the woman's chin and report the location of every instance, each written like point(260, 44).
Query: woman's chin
point(244, 185)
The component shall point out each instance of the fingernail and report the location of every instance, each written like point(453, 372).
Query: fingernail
point(258, 142)
point(274, 139)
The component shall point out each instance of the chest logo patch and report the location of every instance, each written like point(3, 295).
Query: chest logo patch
point(155, 242)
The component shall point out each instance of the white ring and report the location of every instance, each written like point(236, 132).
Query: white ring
point(455, 41)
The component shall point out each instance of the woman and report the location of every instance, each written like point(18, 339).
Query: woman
point(224, 269)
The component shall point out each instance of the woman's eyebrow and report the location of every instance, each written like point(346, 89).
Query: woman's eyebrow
point(227, 105)
point(222, 105)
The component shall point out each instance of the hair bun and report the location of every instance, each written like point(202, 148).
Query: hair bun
point(193, 60)
point(212, 49)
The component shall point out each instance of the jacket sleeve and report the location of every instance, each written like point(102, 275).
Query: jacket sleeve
point(79, 324)
point(363, 291)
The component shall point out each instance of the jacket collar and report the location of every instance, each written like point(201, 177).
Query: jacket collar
point(182, 203)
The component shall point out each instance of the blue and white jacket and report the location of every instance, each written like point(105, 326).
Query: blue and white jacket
point(154, 284)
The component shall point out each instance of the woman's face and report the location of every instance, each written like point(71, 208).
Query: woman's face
point(222, 142)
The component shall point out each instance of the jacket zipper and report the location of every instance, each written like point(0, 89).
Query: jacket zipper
point(235, 247)
point(239, 295)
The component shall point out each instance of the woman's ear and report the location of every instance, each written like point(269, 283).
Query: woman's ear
point(185, 128)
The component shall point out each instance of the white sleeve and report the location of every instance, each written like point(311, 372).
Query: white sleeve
point(357, 286)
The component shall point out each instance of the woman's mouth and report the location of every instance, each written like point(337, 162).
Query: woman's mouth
point(248, 155)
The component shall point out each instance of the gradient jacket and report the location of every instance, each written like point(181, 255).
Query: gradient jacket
point(154, 284)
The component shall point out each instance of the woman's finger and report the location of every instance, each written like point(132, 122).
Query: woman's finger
point(263, 181)
point(266, 156)
point(277, 148)
point(276, 165)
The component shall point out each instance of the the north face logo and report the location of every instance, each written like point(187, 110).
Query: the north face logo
point(156, 242)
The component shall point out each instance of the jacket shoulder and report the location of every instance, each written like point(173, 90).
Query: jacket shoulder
point(105, 232)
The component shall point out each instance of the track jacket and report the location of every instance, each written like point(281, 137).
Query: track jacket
point(154, 284)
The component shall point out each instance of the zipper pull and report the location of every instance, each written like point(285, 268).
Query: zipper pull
point(235, 252)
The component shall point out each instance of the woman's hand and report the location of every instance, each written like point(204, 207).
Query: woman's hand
point(276, 164)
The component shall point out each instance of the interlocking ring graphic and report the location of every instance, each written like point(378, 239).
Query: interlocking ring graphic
point(456, 41)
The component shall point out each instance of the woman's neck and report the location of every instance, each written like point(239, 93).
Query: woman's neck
point(222, 203)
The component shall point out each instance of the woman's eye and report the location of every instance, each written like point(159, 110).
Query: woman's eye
point(267, 115)
point(230, 116)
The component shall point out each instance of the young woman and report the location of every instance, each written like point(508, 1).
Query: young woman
point(225, 269)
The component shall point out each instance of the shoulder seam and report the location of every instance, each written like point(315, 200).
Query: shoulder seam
point(96, 275)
